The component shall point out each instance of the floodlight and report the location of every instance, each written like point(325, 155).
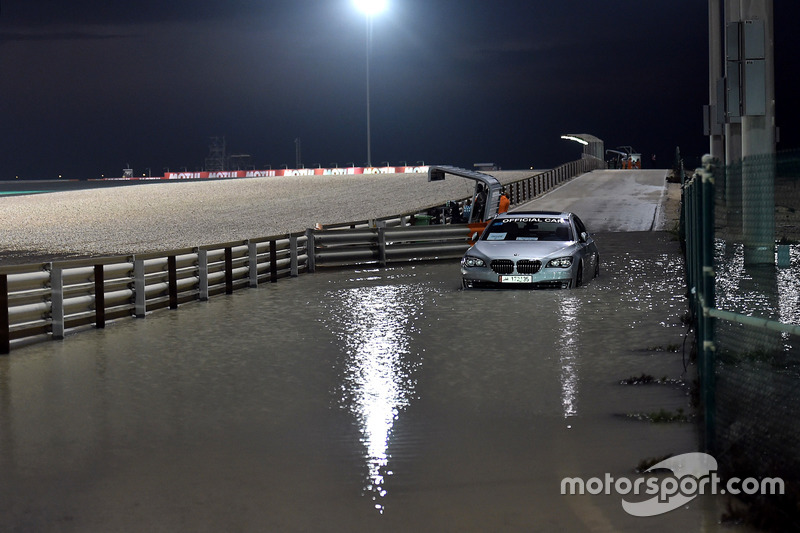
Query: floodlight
point(371, 7)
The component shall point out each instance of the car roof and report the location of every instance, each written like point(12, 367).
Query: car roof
point(562, 214)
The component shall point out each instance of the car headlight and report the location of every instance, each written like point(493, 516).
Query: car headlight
point(469, 261)
point(560, 262)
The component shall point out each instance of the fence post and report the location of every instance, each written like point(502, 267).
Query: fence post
point(709, 301)
point(273, 261)
point(312, 264)
point(5, 333)
point(99, 297)
point(228, 270)
point(293, 256)
point(139, 288)
point(252, 262)
point(172, 277)
point(202, 270)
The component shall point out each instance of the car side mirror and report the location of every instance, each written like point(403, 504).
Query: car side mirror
point(584, 236)
point(474, 236)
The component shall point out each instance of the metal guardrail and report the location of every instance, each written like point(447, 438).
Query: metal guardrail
point(48, 300)
point(383, 245)
point(53, 298)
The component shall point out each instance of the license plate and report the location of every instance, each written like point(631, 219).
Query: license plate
point(516, 279)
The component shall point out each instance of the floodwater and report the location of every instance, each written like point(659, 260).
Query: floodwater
point(357, 400)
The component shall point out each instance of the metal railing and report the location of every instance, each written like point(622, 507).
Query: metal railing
point(383, 245)
point(48, 300)
point(51, 298)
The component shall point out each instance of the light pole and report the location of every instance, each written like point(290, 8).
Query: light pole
point(370, 8)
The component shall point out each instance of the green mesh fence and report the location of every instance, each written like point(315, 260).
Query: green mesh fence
point(748, 316)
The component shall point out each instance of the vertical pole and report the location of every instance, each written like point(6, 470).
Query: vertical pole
point(369, 133)
point(382, 245)
point(5, 334)
point(139, 288)
point(57, 301)
point(758, 136)
point(252, 262)
point(202, 268)
point(312, 266)
point(273, 261)
point(715, 73)
point(228, 270)
point(733, 124)
point(709, 301)
point(99, 297)
point(172, 271)
point(293, 256)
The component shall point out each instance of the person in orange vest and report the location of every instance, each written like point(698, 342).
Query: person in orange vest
point(505, 203)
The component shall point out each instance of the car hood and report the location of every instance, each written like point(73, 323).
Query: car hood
point(524, 249)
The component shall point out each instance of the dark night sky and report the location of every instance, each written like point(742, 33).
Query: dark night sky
point(87, 86)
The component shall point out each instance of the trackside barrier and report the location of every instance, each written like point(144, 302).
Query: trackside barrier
point(384, 245)
point(49, 300)
point(519, 192)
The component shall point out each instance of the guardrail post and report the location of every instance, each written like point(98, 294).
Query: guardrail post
point(139, 288)
point(99, 297)
point(252, 262)
point(57, 301)
point(294, 268)
point(5, 334)
point(172, 270)
point(202, 270)
point(382, 245)
point(228, 270)
point(312, 265)
point(273, 261)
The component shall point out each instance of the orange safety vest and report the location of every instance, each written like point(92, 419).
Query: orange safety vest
point(504, 204)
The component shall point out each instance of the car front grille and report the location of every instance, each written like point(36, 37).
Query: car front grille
point(502, 266)
point(526, 266)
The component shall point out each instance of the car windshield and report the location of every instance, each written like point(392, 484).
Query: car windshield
point(529, 229)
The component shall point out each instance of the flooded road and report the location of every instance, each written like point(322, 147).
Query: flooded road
point(360, 400)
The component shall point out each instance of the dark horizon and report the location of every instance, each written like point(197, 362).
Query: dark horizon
point(88, 88)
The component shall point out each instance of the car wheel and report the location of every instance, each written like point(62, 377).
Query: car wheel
point(579, 276)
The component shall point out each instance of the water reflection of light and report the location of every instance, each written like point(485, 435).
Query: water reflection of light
point(568, 350)
point(378, 382)
point(789, 289)
point(741, 290)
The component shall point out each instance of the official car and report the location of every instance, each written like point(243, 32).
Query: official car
point(542, 249)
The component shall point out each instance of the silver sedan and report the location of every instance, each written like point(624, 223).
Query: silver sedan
point(542, 249)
